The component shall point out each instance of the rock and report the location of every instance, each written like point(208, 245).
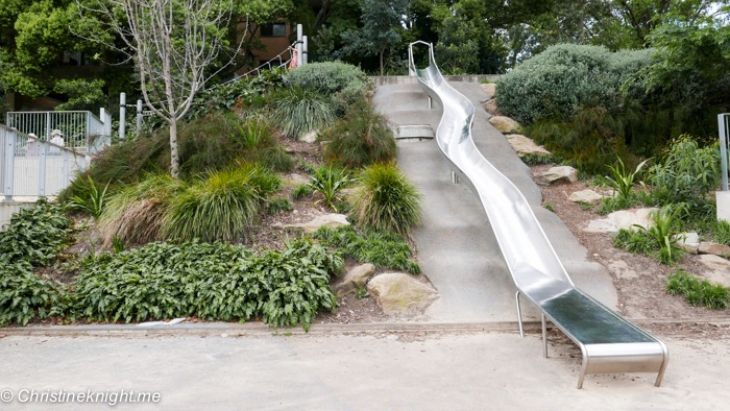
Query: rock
point(505, 125)
point(621, 219)
point(491, 107)
point(720, 269)
point(357, 277)
point(524, 146)
point(715, 249)
point(326, 220)
point(586, 196)
point(622, 270)
point(690, 242)
point(398, 292)
point(490, 89)
point(310, 137)
point(560, 174)
point(294, 179)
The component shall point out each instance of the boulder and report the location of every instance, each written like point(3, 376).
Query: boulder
point(621, 219)
point(293, 179)
point(561, 174)
point(399, 293)
point(524, 146)
point(490, 89)
point(690, 242)
point(719, 269)
point(586, 196)
point(715, 249)
point(310, 137)
point(505, 125)
point(356, 277)
point(326, 220)
point(491, 107)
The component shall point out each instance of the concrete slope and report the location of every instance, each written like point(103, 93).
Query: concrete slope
point(459, 256)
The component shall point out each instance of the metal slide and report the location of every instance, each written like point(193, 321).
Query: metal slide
point(609, 342)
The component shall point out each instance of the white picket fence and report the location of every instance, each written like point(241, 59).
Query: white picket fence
point(35, 164)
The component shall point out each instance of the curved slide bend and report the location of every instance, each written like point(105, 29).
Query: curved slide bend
point(609, 342)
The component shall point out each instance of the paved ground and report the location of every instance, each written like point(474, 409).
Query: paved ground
point(457, 249)
point(432, 372)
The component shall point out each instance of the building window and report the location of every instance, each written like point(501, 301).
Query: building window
point(273, 30)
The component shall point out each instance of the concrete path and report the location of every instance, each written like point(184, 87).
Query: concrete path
point(386, 371)
point(457, 249)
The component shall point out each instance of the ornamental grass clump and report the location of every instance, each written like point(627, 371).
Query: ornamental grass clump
point(224, 206)
point(386, 201)
point(135, 213)
point(698, 292)
point(300, 111)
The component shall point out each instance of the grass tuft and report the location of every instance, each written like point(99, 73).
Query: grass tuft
point(386, 201)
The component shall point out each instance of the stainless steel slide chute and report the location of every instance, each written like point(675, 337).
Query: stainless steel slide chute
point(609, 342)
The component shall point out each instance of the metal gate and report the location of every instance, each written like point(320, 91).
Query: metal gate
point(79, 130)
point(43, 151)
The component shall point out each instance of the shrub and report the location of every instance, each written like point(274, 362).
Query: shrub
point(698, 292)
point(214, 142)
point(567, 78)
point(591, 139)
point(225, 206)
point(331, 78)
point(300, 111)
point(246, 92)
point(329, 182)
point(382, 249)
point(213, 281)
point(35, 235)
point(362, 138)
point(25, 296)
point(687, 173)
point(386, 201)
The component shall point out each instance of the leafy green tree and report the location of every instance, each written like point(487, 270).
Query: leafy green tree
point(34, 34)
point(381, 29)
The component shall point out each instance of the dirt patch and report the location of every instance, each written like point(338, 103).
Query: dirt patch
point(639, 280)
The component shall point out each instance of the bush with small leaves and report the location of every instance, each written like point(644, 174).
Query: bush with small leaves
point(361, 138)
point(687, 174)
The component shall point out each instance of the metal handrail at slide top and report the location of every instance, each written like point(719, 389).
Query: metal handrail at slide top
point(609, 343)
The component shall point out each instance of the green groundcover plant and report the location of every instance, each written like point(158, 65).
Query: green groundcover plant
point(213, 281)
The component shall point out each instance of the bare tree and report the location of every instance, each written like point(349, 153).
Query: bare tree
point(173, 43)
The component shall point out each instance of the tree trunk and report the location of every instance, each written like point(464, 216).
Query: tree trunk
point(382, 52)
point(174, 158)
